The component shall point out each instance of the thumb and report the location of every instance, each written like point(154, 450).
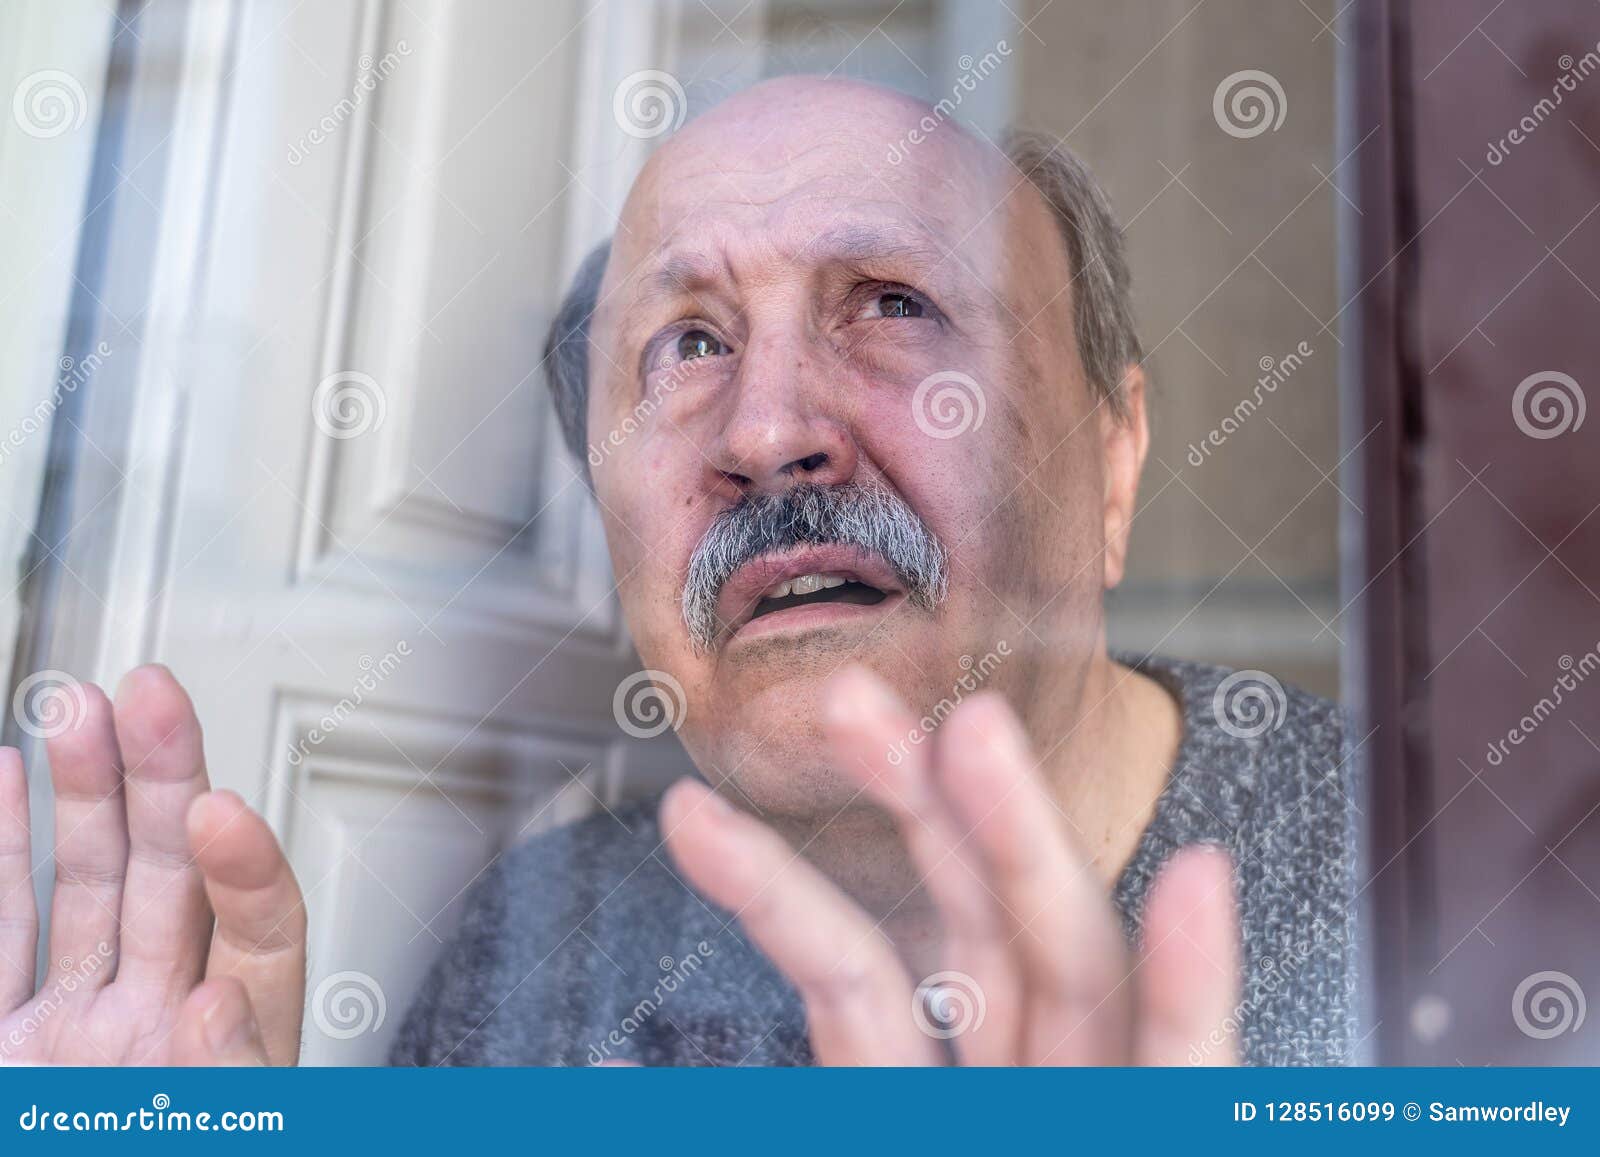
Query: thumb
point(217, 1027)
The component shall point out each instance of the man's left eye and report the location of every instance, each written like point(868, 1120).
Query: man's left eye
point(899, 305)
point(697, 343)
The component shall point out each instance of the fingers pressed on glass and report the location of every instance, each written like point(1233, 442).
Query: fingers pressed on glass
point(166, 923)
point(19, 918)
point(1071, 950)
point(260, 935)
point(1189, 968)
point(91, 844)
point(857, 994)
point(873, 742)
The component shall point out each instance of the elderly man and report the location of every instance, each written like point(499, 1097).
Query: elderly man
point(856, 414)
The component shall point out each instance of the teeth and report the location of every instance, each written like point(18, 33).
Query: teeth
point(806, 584)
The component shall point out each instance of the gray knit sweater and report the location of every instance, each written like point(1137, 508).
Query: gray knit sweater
point(584, 944)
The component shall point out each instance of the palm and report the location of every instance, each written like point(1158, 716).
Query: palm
point(177, 932)
point(112, 1026)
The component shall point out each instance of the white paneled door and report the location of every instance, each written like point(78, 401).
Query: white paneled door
point(345, 519)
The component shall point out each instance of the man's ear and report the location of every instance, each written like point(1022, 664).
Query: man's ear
point(1123, 442)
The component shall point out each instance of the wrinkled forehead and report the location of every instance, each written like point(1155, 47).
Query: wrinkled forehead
point(778, 187)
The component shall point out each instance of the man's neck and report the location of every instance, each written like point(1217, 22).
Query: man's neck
point(1106, 753)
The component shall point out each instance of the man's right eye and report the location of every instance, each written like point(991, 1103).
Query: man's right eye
point(697, 343)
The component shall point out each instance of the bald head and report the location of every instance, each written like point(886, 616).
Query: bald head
point(787, 120)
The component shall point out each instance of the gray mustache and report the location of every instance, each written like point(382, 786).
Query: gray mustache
point(867, 516)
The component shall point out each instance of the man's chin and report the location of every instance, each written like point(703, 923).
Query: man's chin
point(812, 642)
point(803, 658)
point(804, 796)
point(761, 719)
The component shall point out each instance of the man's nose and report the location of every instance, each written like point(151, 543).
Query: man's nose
point(786, 424)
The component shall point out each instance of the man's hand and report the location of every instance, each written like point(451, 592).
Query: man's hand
point(1024, 917)
point(139, 973)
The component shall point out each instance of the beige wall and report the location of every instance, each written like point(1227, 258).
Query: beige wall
point(1232, 246)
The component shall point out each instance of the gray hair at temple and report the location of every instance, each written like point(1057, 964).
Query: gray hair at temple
point(1107, 339)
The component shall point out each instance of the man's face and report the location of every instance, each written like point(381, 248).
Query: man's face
point(777, 297)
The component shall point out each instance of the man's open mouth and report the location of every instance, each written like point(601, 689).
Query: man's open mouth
point(817, 588)
point(785, 588)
